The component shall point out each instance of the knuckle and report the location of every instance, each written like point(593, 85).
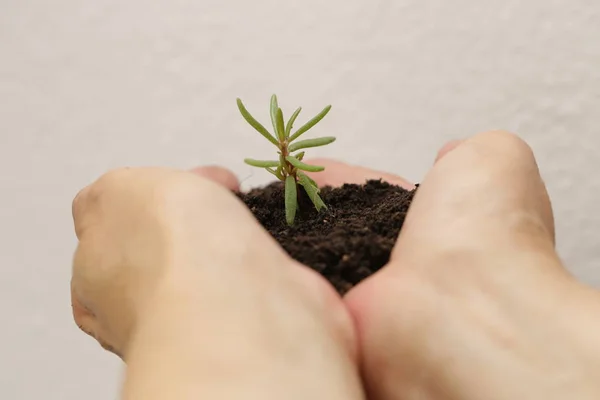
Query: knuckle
point(82, 208)
point(78, 203)
point(86, 200)
point(506, 143)
point(91, 191)
point(113, 176)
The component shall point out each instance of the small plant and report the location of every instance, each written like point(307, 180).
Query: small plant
point(288, 168)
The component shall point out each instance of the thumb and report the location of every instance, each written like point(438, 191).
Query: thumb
point(484, 195)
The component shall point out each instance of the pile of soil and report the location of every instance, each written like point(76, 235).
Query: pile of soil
point(346, 243)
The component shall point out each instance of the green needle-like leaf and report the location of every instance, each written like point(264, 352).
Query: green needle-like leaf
point(277, 173)
point(303, 144)
point(272, 171)
point(255, 124)
point(300, 155)
point(291, 199)
point(310, 123)
point(312, 182)
point(280, 125)
point(304, 167)
point(274, 107)
point(311, 190)
point(290, 123)
point(262, 163)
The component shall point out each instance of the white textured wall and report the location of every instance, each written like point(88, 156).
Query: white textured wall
point(89, 85)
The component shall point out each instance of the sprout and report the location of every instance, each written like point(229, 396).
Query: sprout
point(288, 168)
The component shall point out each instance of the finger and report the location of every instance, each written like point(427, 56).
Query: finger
point(485, 193)
point(222, 176)
point(89, 194)
point(447, 148)
point(337, 173)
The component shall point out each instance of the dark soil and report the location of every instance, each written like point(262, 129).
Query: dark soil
point(346, 243)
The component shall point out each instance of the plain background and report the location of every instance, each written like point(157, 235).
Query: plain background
point(90, 85)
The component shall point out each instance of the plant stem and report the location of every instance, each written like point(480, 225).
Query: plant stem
point(287, 167)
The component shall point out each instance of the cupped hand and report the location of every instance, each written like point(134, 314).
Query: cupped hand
point(475, 303)
point(145, 231)
point(125, 223)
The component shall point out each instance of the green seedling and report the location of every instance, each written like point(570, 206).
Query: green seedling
point(289, 167)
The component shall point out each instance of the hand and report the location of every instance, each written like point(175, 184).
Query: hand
point(121, 223)
point(475, 303)
point(173, 274)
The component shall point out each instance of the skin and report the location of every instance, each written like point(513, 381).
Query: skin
point(174, 275)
